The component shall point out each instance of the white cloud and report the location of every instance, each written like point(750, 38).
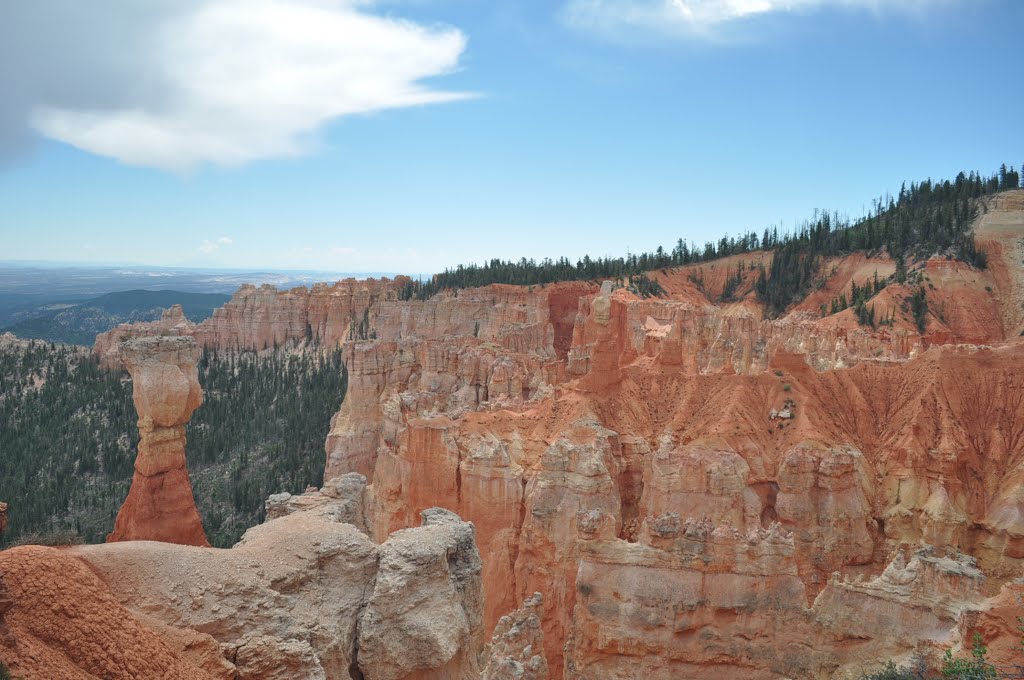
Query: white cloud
point(210, 246)
point(217, 81)
point(692, 18)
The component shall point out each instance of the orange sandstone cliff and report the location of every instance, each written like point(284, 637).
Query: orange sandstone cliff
point(695, 490)
point(259, 317)
point(698, 490)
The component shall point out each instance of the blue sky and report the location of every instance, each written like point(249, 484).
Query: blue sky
point(351, 135)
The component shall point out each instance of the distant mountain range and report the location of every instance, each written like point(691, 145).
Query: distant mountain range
point(78, 322)
point(71, 303)
point(27, 286)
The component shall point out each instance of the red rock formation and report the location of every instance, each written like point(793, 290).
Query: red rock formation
point(165, 388)
point(681, 479)
point(517, 646)
point(855, 441)
point(65, 623)
point(6, 637)
point(6, 603)
point(998, 622)
point(261, 317)
point(691, 600)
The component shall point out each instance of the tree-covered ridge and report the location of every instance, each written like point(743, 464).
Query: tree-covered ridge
point(69, 437)
point(260, 430)
point(926, 218)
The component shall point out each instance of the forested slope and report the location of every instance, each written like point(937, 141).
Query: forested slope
point(68, 433)
point(925, 218)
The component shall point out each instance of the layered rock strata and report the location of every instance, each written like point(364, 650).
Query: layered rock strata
point(165, 389)
point(514, 318)
point(682, 478)
point(856, 444)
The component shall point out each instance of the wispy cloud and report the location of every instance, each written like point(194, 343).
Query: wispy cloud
point(706, 18)
point(175, 83)
point(210, 246)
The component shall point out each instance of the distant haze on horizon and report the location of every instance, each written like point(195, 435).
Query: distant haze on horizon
point(160, 270)
point(413, 135)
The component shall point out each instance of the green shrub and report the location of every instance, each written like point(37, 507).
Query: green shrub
point(5, 672)
point(975, 668)
point(919, 305)
point(916, 671)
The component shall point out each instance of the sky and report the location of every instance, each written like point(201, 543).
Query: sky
point(412, 135)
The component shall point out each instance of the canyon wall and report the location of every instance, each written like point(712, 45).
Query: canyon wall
point(694, 489)
point(697, 489)
point(258, 318)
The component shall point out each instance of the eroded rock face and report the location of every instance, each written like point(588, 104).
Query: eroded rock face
point(285, 600)
point(824, 497)
point(997, 621)
point(342, 499)
point(308, 595)
point(107, 348)
point(5, 599)
point(689, 600)
point(657, 421)
point(64, 623)
point(938, 589)
point(517, 645)
point(423, 618)
point(165, 389)
point(6, 638)
point(681, 478)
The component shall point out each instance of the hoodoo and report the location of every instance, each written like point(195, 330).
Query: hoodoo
point(166, 391)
